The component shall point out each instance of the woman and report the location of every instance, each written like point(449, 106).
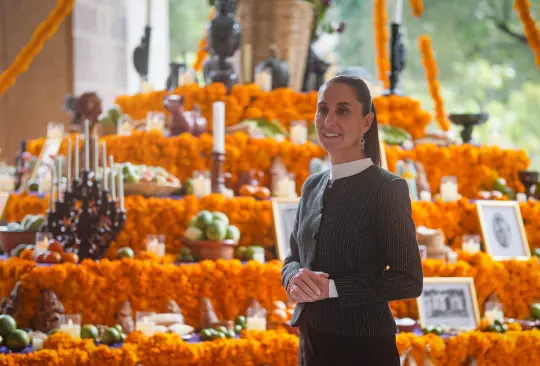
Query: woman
point(353, 248)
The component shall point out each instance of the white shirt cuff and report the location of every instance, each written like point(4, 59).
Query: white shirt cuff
point(332, 290)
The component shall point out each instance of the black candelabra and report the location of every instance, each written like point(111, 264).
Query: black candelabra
point(87, 218)
point(398, 58)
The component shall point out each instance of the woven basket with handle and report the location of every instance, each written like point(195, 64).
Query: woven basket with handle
point(283, 23)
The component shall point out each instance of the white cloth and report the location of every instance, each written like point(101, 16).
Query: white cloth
point(340, 171)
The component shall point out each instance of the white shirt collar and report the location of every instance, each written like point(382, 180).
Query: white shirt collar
point(348, 169)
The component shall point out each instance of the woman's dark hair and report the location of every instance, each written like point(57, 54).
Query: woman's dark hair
point(372, 148)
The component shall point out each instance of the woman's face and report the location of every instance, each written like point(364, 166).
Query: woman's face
point(341, 123)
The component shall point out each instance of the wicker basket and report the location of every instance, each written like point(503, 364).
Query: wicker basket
point(283, 23)
point(213, 250)
point(148, 190)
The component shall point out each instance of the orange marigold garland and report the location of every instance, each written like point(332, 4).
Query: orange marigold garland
point(430, 65)
point(380, 19)
point(42, 34)
point(532, 32)
point(202, 49)
point(417, 7)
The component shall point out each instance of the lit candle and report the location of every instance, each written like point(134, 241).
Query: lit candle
point(218, 126)
point(74, 330)
point(59, 182)
point(87, 145)
point(96, 155)
point(113, 178)
point(146, 327)
point(398, 12)
point(298, 134)
point(121, 188)
point(77, 153)
point(68, 183)
point(104, 158)
point(256, 323)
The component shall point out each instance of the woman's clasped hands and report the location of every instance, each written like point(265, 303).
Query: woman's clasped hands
point(309, 286)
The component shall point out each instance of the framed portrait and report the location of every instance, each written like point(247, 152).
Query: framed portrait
point(449, 301)
point(284, 211)
point(503, 230)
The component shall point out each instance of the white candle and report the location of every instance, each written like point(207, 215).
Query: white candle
point(146, 327)
point(113, 179)
point(74, 330)
point(59, 182)
point(247, 63)
point(87, 145)
point(37, 344)
point(494, 314)
point(68, 165)
point(265, 80)
point(298, 134)
point(96, 155)
point(77, 153)
point(202, 186)
point(398, 12)
point(425, 196)
point(51, 201)
point(470, 246)
point(121, 188)
point(521, 197)
point(218, 127)
point(104, 158)
point(256, 323)
point(452, 257)
point(449, 191)
point(148, 12)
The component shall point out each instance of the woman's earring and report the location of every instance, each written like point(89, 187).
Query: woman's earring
point(362, 143)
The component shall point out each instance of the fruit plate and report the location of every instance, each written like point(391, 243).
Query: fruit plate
point(208, 249)
point(149, 190)
point(10, 239)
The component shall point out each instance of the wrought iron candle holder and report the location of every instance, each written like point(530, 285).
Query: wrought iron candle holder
point(398, 58)
point(86, 220)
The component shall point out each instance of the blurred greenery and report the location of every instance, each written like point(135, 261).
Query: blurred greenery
point(484, 63)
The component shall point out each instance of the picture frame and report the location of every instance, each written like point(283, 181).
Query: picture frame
point(503, 230)
point(284, 212)
point(449, 301)
point(50, 147)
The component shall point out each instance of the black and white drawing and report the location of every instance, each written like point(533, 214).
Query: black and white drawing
point(449, 301)
point(503, 229)
point(284, 211)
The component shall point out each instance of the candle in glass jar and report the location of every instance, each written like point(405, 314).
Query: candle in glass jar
point(145, 326)
point(87, 145)
point(202, 186)
point(452, 257)
point(449, 190)
point(74, 330)
point(255, 323)
point(218, 127)
point(470, 246)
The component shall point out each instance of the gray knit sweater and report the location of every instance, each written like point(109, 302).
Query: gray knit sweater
point(354, 230)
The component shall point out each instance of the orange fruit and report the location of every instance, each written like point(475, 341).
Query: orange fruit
point(247, 190)
point(53, 257)
point(280, 305)
point(278, 315)
point(262, 193)
point(70, 258)
point(56, 246)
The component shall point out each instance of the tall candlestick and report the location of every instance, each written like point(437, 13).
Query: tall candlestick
point(96, 156)
point(121, 188)
point(59, 182)
point(398, 12)
point(87, 145)
point(148, 12)
point(247, 63)
point(51, 193)
point(77, 153)
point(113, 185)
point(218, 127)
point(68, 184)
point(104, 155)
